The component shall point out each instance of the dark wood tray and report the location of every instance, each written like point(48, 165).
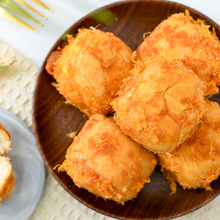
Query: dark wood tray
point(53, 119)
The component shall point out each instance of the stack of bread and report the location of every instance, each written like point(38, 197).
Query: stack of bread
point(145, 108)
point(7, 180)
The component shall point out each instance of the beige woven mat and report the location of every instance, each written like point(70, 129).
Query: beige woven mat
point(17, 81)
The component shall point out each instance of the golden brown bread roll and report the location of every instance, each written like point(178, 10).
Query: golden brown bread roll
point(7, 180)
point(196, 162)
point(90, 69)
point(5, 141)
point(180, 37)
point(106, 162)
point(160, 105)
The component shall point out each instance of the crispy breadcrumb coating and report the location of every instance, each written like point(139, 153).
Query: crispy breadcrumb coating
point(196, 162)
point(160, 105)
point(180, 37)
point(106, 162)
point(90, 69)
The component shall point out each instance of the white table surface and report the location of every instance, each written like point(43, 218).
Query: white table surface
point(35, 46)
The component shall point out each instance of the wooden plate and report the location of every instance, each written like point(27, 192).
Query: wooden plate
point(53, 119)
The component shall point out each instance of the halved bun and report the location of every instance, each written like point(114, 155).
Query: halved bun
point(5, 142)
point(7, 180)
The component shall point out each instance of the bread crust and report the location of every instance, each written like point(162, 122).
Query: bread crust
point(8, 184)
point(5, 146)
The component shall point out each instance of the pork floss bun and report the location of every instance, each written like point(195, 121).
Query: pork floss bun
point(160, 105)
point(106, 162)
point(182, 38)
point(196, 163)
point(90, 69)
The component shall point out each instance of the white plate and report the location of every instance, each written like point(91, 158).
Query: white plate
point(29, 170)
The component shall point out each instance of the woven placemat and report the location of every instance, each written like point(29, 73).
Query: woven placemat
point(17, 81)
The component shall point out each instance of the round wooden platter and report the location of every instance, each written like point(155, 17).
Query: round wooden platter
point(53, 119)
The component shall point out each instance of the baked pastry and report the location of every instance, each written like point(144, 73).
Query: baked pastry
point(196, 162)
point(89, 70)
point(7, 180)
point(182, 38)
point(160, 105)
point(5, 142)
point(106, 162)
